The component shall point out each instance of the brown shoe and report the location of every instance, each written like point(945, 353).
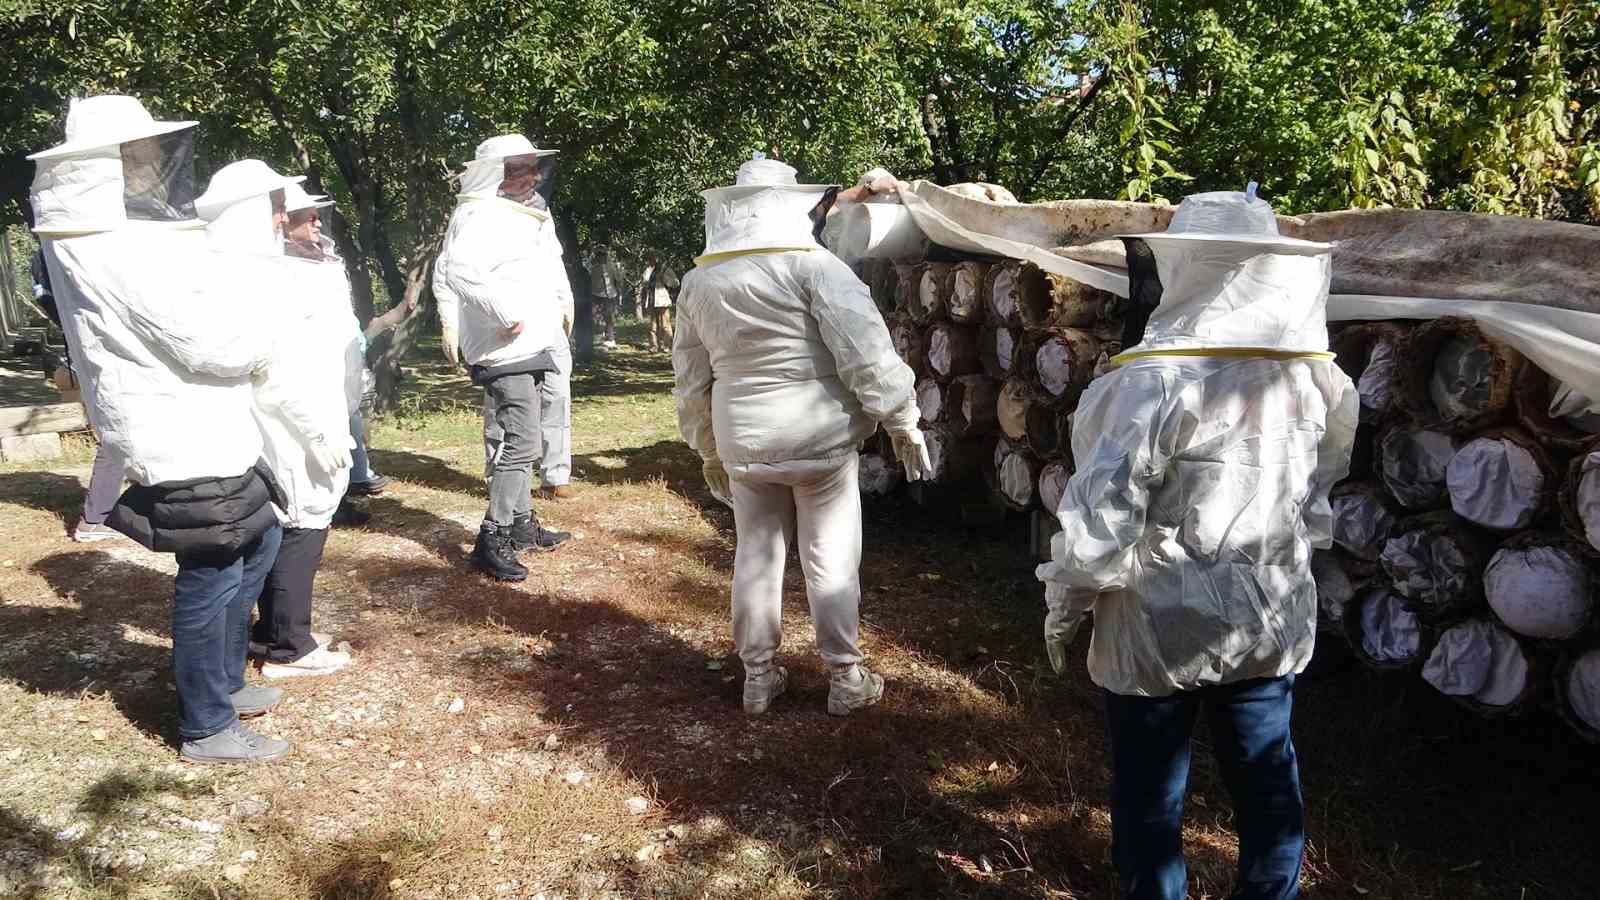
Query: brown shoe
point(558, 492)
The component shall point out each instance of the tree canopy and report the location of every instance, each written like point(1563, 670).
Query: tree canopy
point(1486, 105)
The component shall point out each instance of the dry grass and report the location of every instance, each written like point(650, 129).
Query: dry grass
point(609, 675)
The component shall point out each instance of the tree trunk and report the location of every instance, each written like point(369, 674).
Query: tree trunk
point(386, 353)
point(1483, 667)
point(1053, 480)
point(951, 351)
point(1046, 301)
point(953, 458)
point(1019, 480)
point(1363, 519)
point(1577, 693)
point(906, 278)
point(1060, 364)
point(1436, 562)
point(879, 477)
point(1044, 435)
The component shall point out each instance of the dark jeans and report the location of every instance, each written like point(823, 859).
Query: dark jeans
point(211, 602)
point(514, 402)
point(1149, 738)
point(282, 632)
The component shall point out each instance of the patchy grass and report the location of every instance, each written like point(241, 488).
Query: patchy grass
point(609, 676)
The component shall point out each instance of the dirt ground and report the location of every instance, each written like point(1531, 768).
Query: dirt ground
point(489, 739)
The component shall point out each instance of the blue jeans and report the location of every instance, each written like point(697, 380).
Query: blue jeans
point(211, 603)
point(1149, 738)
point(360, 465)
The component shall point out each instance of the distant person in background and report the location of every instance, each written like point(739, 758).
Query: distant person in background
point(105, 478)
point(660, 288)
point(605, 286)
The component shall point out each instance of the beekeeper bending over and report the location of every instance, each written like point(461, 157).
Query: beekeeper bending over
point(1204, 465)
point(784, 367)
point(166, 330)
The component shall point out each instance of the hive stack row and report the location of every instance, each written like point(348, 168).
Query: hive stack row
point(1001, 352)
point(1467, 538)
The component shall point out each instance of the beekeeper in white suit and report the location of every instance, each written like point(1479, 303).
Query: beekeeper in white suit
point(784, 367)
point(303, 402)
point(1204, 466)
point(167, 331)
point(505, 302)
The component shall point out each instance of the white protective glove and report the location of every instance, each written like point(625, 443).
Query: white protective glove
point(325, 461)
point(1060, 626)
point(451, 343)
point(717, 480)
point(912, 451)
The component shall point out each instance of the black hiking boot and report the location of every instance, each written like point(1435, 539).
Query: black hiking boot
point(528, 534)
point(495, 554)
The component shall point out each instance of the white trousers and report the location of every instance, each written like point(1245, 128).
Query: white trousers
point(815, 504)
point(555, 423)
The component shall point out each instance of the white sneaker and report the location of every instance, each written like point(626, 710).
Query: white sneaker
point(324, 641)
point(854, 689)
point(86, 533)
point(761, 690)
point(320, 661)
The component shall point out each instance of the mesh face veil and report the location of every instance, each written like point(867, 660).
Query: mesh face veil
point(158, 177)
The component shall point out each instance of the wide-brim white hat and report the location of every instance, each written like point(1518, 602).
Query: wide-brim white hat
point(238, 181)
point(763, 174)
point(296, 199)
point(505, 146)
point(106, 121)
point(1229, 217)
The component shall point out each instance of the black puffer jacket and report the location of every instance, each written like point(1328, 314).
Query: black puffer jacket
point(205, 516)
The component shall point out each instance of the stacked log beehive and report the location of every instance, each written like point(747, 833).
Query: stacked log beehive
point(1466, 538)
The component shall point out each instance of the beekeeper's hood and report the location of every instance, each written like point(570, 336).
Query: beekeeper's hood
point(117, 165)
point(295, 199)
point(237, 207)
point(763, 210)
point(483, 176)
point(1231, 283)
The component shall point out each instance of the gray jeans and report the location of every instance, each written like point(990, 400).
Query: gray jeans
point(555, 423)
point(105, 486)
point(514, 423)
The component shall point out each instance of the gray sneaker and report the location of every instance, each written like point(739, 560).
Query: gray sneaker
point(255, 699)
point(87, 533)
point(234, 745)
point(761, 690)
point(847, 694)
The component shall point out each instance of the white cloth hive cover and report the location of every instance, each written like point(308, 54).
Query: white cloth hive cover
point(1583, 688)
point(1427, 567)
point(930, 399)
point(1540, 592)
point(1005, 346)
point(1459, 384)
point(1389, 631)
point(1415, 466)
point(1016, 477)
point(1588, 498)
point(1496, 483)
point(1054, 359)
point(1052, 484)
point(1361, 523)
point(1478, 659)
point(1334, 587)
point(1376, 384)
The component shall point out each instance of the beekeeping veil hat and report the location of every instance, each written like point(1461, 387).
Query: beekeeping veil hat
point(117, 164)
point(764, 209)
point(1229, 281)
point(482, 176)
point(295, 199)
point(237, 206)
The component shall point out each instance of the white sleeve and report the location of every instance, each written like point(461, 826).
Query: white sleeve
point(693, 379)
point(1333, 453)
point(1117, 443)
point(854, 332)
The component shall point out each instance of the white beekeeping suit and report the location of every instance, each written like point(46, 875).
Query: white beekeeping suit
point(1204, 464)
point(303, 397)
point(158, 355)
point(783, 367)
point(480, 283)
